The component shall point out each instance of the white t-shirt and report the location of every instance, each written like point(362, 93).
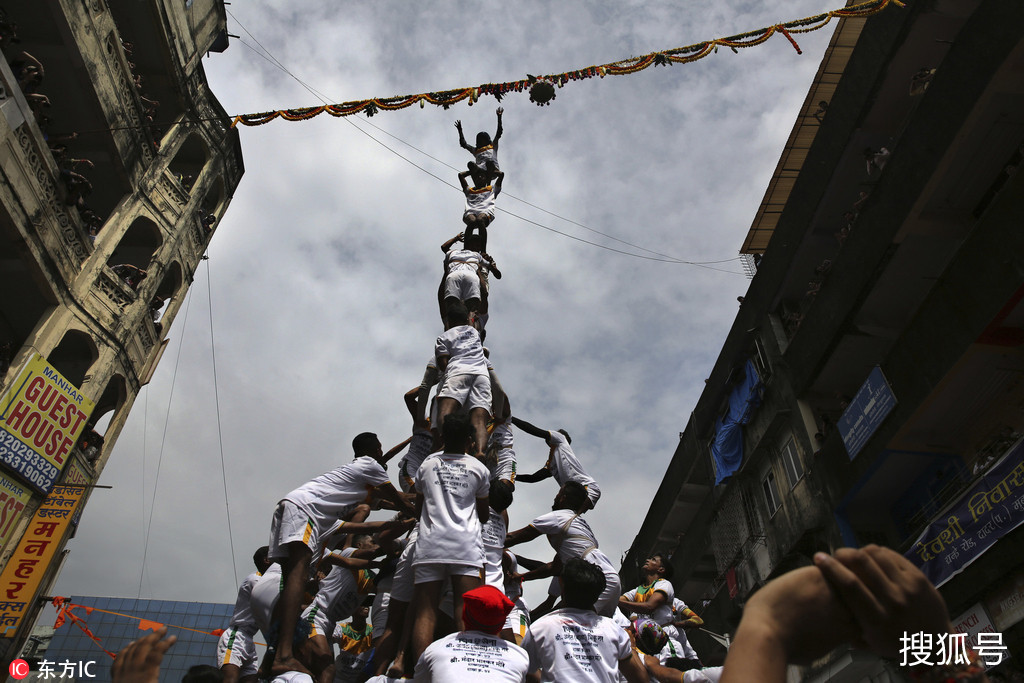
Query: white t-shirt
point(480, 200)
point(450, 530)
point(501, 435)
point(464, 259)
point(662, 616)
point(493, 535)
point(563, 463)
point(577, 646)
point(327, 498)
point(567, 532)
point(419, 449)
point(338, 595)
point(675, 648)
point(471, 655)
point(264, 596)
point(242, 618)
point(677, 615)
point(465, 352)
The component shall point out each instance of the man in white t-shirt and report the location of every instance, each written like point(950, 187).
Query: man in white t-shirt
point(477, 650)
point(305, 515)
point(236, 652)
point(452, 497)
point(571, 537)
point(562, 462)
point(466, 274)
point(467, 382)
point(654, 595)
point(573, 644)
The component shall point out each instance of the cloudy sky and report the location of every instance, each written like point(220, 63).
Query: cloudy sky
point(323, 274)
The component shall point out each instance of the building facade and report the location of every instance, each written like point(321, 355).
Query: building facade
point(68, 653)
point(116, 162)
point(871, 388)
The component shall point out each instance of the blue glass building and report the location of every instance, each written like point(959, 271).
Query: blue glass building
point(71, 644)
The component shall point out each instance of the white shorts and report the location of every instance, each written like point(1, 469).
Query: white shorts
point(291, 524)
point(506, 467)
point(236, 647)
point(403, 580)
point(439, 571)
point(462, 284)
point(471, 391)
point(379, 613)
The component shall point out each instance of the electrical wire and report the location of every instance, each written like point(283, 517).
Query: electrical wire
point(220, 432)
point(163, 441)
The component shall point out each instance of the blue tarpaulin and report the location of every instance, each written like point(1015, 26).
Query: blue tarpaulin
point(727, 449)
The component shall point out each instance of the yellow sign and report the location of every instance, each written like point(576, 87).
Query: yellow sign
point(41, 417)
point(13, 498)
point(24, 571)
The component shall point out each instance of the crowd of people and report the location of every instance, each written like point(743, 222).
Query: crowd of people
point(435, 591)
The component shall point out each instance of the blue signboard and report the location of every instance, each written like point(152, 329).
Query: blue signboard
point(990, 509)
point(873, 402)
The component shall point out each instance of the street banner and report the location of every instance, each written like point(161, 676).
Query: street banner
point(966, 529)
point(25, 570)
point(14, 496)
point(41, 417)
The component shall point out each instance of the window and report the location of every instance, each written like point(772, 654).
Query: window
point(791, 459)
point(760, 360)
point(771, 493)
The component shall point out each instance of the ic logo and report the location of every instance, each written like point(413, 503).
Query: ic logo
point(19, 669)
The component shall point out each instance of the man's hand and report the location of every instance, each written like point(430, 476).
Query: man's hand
point(458, 125)
point(501, 110)
point(886, 594)
point(139, 661)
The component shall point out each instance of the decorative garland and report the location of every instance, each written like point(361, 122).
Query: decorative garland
point(542, 88)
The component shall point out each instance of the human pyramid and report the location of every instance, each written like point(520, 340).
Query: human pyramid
point(446, 599)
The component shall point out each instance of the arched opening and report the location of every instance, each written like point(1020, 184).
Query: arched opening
point(73, 356)
point(32, 295)
point(91, 440)
point(188, 163)
point(169, 286)
point(210, 208)
point(135, 251)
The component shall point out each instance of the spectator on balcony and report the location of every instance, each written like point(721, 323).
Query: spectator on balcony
point(875, 161)
point(8, 31)
point(37, 102)
point(28, 71)
point(77, 186)
point(209, 220)
point(156, 306)
point(131, 275)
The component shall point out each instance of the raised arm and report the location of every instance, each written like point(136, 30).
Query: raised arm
point(497, 133)
point(492, 265)
point(497, 183)
point(462, 138)
point(462, 180)
point(396, 449)
point(524, 535)
point(530, 429)
point(446, 247)
point(540, 475)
